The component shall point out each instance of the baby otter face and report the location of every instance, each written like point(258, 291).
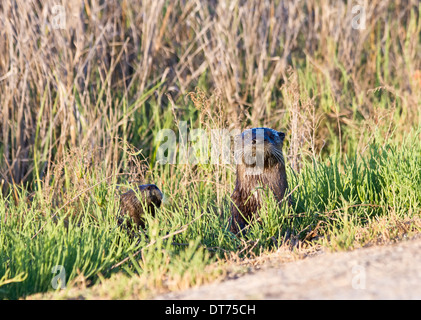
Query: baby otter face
point(259, 148)
point(151, 193)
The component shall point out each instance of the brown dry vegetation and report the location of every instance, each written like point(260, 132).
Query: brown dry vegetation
point(286, 64)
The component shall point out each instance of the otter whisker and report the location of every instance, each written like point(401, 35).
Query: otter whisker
point(279, 155)
point(238, 155)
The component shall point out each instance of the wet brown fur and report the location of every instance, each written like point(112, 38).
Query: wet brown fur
point(150, 198)
point(245, 205)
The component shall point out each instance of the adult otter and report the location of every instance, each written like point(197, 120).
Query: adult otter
point(150, 197)
point(260, 163)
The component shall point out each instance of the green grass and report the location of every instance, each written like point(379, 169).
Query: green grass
point(190, 232)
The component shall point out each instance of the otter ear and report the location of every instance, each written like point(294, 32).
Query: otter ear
point(281, 135)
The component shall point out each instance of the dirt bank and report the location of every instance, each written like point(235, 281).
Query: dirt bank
point(386, 272)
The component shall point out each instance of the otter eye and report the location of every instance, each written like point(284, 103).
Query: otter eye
point(281, 135)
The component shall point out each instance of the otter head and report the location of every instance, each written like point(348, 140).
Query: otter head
point(259, 149)
point(151, 194)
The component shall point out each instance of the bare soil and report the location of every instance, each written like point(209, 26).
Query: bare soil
point(380, 272)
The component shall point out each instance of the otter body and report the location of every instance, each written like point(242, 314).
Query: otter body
point(264, 146)
point(133, 204)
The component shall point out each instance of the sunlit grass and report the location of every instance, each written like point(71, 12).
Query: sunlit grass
point(189, 233)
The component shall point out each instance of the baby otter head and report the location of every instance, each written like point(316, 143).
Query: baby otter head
point(134, 202)
point(151, 194)
point(259, 148)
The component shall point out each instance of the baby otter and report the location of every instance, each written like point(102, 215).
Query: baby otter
point(150, 198)
point(260, 163)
